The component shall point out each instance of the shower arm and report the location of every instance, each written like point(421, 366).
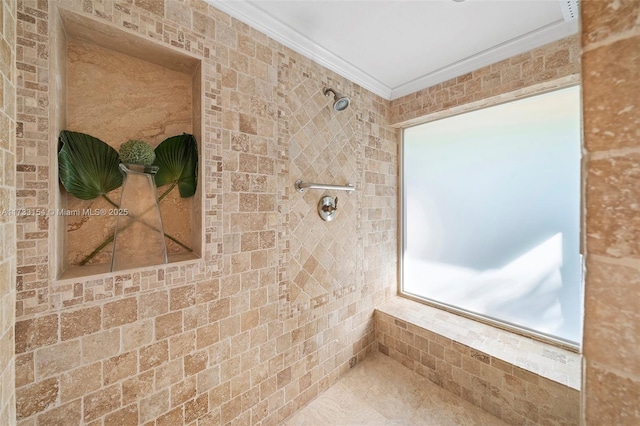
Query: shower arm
point(301, 186)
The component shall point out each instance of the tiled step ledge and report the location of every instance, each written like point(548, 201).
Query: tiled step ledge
point(540, 358)
point(517, 379)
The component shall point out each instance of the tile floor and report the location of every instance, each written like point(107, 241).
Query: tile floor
point(380, 391)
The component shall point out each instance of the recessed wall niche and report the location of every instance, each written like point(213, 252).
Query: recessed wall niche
point(116, 86)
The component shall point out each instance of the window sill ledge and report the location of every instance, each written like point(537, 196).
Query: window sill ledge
point(542, 359)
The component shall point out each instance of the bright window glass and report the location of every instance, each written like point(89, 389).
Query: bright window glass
point(491, 206)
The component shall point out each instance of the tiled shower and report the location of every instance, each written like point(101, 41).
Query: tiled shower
point(277, 305)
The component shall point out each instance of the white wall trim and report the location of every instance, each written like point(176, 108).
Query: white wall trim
point(522, 44)
point(258, 19)
point(265, 23)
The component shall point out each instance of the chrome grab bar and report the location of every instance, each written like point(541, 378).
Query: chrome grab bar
point(301, 186)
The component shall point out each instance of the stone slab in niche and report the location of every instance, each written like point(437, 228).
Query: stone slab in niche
point(118, 86)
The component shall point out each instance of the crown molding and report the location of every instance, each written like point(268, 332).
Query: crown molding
point(258, 19)
point(547, 34)
point(267, 24)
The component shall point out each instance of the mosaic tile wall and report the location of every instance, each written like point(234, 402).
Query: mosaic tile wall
point(325, 146)
point(550, 66)
point(609, 69)
point(509, 392)
point(202, 341)
point(241, 336)
point(7, 206)
point(611, 114)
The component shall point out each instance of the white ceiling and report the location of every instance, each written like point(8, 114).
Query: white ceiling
point(394, 48)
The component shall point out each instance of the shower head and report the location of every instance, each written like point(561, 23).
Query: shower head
point(340, 102)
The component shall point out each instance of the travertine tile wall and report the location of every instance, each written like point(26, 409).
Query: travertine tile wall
point(545, 68)
point(610, 78)
point(202, 362)
point(611, 108)
point(513, 394)
point(239, 336)
point(509, 392)
point(7, 206)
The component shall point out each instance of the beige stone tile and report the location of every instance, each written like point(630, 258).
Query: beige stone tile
point(182, 344)
point(81, 322)
point(337, 406)
point(121, 312)
point(36, 332)
point(81, 381)
point(137, 334)
point(24, 369)
point(605, 18)
point(441, 408)
point(481, 342)
point(138, 387)
point(153, 304)
point(387, 385)
point(169, 373)
point(182, 297)
point(611, 333)
point(513, 398)
point(36, 397)
point(57, 358)
point(183, 391)
point(154, 6)
point(153, 406)
point(125, 416)
point(207, 335)
point(611, 81)
point(168, 325)
point(196, 408)
point(101, 402)
point(610, 398)
point(491, 84)
point(612, 184)
point(120, 367)
point(70, 413)
point(100, 345)
point(154, 355)
point(379, 386)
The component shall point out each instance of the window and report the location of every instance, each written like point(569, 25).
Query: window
point(491, 214)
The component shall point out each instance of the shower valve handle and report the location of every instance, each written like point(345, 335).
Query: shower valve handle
point(331, 208)
point(327, 208)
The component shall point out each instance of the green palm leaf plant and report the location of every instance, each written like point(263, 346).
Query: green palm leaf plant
point(88, 168)
point(177, 158)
